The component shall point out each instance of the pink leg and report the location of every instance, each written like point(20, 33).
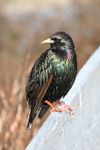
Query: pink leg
point(67, 106)
point(58, 109)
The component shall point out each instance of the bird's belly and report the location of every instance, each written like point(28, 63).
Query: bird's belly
point(59, 86)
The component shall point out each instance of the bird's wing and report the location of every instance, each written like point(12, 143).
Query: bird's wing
point(39, 81)
point(39, 92)
point(36, 90)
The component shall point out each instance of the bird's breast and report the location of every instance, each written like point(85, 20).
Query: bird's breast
point(63, 77)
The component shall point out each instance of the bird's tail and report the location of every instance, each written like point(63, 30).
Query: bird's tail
point(31, 117)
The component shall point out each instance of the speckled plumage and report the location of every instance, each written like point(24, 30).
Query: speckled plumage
point(52, 75)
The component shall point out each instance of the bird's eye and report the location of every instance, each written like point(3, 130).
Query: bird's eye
point(56, 39)
point(59, 40)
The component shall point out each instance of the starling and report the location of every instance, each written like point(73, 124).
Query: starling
point(52, 76)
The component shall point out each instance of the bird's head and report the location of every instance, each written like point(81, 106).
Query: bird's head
point(60, 39)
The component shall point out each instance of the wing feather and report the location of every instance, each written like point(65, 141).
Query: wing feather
point(39, 80)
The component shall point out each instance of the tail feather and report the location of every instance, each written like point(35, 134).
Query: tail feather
point(31, 117)
point(43, 111)
point(33, 114)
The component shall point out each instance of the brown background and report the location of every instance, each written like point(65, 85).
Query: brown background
point(23, 25)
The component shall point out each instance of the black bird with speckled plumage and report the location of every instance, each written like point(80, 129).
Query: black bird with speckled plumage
point(52, 75)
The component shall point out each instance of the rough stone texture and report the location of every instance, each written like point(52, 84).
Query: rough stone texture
point(61, 131)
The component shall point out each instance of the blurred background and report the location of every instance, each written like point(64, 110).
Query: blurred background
point(23, 25)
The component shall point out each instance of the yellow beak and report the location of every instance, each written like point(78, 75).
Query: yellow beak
point(47, 41)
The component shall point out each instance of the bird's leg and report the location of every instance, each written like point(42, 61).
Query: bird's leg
point(62, 110)
point(53, 106)
point(62, 104)
point(58, 109)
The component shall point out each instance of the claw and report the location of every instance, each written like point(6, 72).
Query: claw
point(62, 104)
point(57, 109)
point(60, 108)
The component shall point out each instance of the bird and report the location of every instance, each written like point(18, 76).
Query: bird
point(51, 77)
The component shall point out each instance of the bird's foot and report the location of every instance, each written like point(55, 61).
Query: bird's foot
point(60, 108)
point(66, 106)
